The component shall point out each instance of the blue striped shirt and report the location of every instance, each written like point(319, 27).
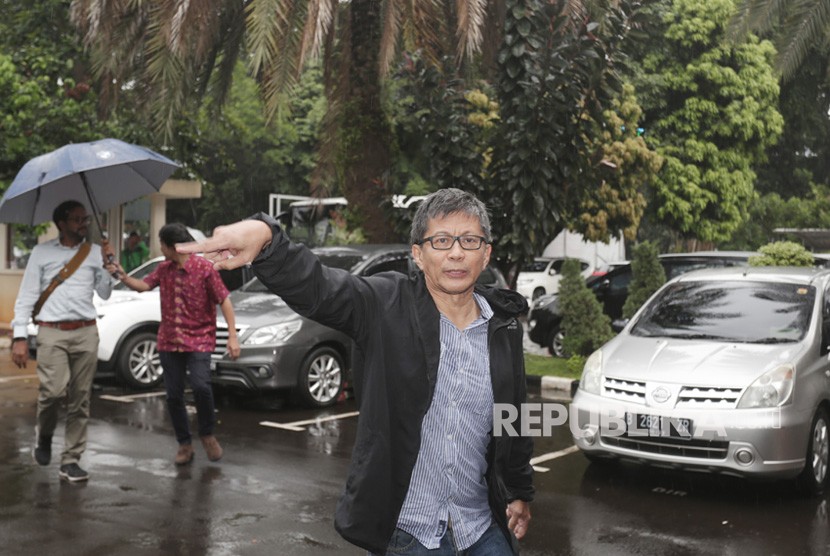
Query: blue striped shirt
point(447, 484)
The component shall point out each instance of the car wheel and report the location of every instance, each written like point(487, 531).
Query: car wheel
point(537, 293)
point(813, 479)
point(556, 343)
point(321, 378)
point(138, 361)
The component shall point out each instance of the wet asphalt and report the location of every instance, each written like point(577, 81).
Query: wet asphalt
point(275, 489)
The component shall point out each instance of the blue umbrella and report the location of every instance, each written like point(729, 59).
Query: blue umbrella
point(105, 173)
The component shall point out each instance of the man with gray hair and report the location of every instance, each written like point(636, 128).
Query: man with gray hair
point(433, 353)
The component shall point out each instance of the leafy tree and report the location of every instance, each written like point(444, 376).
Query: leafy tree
point(782, 253)
point(771, 211)
point(585, 326)
point(558, 75)
point(240, 159)
point(710, 111)
point(802, 155)
point(647, 275)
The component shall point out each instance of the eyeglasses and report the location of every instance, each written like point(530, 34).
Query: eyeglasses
point(79, 219)
point(445, 242)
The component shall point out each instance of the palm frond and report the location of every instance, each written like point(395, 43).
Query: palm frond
point(470, 33)
point(276, 50)
point(804, 27)
point(756, 16)
point(319, 21)
point(390, 31)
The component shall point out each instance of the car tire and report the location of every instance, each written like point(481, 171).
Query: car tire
point(813, 479)
point(321, 378)
point(537, 293)
point(138, 361)
point(555, 343)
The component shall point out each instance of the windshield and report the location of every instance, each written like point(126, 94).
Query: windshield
point(535, 266)
point(752, 312)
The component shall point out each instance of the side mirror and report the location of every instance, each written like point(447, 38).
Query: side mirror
point(618, 324)
point(825, 336)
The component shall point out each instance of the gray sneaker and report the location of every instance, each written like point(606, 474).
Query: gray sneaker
point(73, 473)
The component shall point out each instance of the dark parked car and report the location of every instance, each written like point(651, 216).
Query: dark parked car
point(611, 289)
point(282, 350)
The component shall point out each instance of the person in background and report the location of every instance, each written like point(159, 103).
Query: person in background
point(190, 291)
point(135, 252)
point(434, 353)
point(67, 338)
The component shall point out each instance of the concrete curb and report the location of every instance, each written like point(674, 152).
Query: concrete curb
point(558, 383)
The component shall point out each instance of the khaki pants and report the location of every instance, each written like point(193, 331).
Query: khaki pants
point(66, 364)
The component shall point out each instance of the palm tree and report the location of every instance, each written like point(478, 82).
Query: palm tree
point(799, 26)
point(171, 52)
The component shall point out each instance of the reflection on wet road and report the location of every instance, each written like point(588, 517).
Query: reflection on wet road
point(275, 490)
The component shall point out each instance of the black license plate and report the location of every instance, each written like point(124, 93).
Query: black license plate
point(642, 424)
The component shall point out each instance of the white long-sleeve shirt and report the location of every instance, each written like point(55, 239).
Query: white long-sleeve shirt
point(71, 300)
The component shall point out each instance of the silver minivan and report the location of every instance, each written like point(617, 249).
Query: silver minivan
point(721, 371)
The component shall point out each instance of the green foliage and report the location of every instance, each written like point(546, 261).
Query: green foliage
point(802, 155)
point(618, 202)
point(557, 78)
point(586, 327)
point(771, 211)
point(711, 111)
point(241, 159)
point(575, 365)
point(444, 126)
point(647, 277)
point(782, 253)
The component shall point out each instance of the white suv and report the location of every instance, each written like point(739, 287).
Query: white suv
point(542, 276)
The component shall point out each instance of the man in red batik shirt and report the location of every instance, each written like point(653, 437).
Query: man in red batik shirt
point(190, 290)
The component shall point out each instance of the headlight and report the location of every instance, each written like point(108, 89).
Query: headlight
point(771, 389)
point(591, 380)
point(274, 333)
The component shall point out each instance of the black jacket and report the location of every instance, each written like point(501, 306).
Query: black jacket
point(395, 326)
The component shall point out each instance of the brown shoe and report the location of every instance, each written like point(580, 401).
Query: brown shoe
point(184, 455)
point(212, 448)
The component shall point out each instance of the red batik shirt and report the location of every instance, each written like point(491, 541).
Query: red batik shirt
point(189, 296)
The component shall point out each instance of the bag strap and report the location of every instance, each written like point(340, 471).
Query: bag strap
point(62, 276)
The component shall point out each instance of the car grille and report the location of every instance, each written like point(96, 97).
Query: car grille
point(693, 448)
point(708, 397)
point(690, 397)
point(625, 390)
point(222, 340)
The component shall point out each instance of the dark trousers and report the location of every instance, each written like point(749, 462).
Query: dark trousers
point(176, 364)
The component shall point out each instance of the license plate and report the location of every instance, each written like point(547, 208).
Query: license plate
point(641, 424)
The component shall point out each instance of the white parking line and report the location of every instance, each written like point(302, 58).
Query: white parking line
point(130, 398)
point(550, 456)
point(296, 425)
point(18, 377)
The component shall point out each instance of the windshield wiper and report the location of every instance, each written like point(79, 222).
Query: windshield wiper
point(698, 336)
point(770, 340)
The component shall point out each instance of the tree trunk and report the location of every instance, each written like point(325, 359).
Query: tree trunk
point(365, 136)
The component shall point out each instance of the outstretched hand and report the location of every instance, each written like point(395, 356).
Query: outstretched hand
point(231, 246)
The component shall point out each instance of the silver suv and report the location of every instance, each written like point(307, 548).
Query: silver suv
point(722, 371)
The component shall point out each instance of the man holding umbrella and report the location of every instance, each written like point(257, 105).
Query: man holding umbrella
point(71, 269)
